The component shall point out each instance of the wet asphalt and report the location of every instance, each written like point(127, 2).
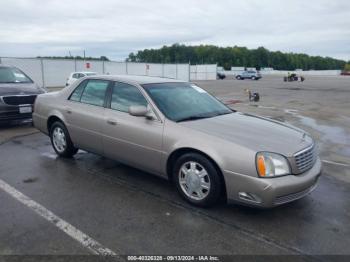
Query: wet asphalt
point(132, 212)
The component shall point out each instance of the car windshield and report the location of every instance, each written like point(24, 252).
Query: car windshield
point(13, 75)
point(185, 101)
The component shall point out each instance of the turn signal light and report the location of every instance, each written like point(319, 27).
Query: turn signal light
point(261, 166)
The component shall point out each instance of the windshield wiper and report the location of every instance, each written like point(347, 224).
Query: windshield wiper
point(196, 117)
point(190, 118)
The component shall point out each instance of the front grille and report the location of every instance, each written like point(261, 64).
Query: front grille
point(305, 159)
point(291, 197)
point(19, 100)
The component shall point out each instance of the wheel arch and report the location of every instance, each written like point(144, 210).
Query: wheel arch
point(52, 119)
point(184, 150)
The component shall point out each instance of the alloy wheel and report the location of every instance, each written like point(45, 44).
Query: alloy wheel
point(59, 139)
point(194, 180)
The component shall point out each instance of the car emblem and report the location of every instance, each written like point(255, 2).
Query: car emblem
point(303, 138)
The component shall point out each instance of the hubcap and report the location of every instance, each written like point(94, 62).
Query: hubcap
point(194, 180)
point(59, 139)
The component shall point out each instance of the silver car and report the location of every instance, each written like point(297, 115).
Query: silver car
point(178, 131)
point(253, 75)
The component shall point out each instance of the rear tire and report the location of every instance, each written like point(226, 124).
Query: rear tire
point(197, 180)
point(60, 140)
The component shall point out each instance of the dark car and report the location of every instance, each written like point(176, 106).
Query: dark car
point(17, 94)
point(220, 75)
point(254, 75)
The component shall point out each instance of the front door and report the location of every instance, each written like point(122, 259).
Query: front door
point(134, 140)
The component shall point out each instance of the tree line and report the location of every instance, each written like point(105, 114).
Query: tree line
point(235, 56)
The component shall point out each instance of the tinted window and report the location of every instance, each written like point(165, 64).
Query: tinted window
point(76, 95)
point(13, 75)
point(75, 76)
point(95, 92)
point(125, 95)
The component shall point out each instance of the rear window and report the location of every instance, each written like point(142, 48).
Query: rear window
point(13, 75)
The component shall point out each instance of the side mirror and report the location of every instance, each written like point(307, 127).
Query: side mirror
point(140, 111)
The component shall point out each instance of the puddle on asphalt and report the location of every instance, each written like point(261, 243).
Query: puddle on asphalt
point(263, 107)
point(49, 155)
point(333, 134)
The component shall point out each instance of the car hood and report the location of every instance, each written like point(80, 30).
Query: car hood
point(20, 89)
point(254, 132)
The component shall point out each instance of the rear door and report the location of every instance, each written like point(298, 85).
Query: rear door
point(84, 114)
point(134, 140)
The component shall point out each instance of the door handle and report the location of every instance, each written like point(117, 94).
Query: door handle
point(111, 122)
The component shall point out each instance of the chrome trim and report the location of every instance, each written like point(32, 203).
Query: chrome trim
point(294, 196)
point(305, 159)
point(249, 197)
point(304, 150)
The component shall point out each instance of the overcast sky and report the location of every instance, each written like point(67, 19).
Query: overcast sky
point(117, 27)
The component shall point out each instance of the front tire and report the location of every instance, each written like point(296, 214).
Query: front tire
point(60, 140)
point(197, 180)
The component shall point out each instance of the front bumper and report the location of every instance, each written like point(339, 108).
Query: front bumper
point(271, 192)
point(11, 113)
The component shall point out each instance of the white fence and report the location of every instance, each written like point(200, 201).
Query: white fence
point(203, 72)
point(305, 73)
point(54, 72)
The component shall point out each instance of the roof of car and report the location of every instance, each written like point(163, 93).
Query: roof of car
point(137, 79)
point(84, 72)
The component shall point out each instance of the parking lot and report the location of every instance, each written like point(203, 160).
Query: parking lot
point(127, 211)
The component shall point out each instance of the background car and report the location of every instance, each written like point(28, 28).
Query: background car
point(77, 75)
point(220, 75)
point(254, 75)
point(17, 94)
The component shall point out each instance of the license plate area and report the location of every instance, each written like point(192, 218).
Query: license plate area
point(25, 109)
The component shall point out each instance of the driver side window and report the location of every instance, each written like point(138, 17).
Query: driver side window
point(125, 95)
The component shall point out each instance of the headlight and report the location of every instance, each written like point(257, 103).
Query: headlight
point(271, 164)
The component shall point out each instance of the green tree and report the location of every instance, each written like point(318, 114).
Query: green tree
point(235, 56)
point(347, 67)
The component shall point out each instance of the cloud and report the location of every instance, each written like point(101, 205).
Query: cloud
point(115, 28)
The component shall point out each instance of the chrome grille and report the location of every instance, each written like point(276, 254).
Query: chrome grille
point(305, 159)
point(19, 100)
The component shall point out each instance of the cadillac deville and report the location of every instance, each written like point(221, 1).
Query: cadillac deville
point(177, 130)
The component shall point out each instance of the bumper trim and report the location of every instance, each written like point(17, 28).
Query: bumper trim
point(294, 196)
